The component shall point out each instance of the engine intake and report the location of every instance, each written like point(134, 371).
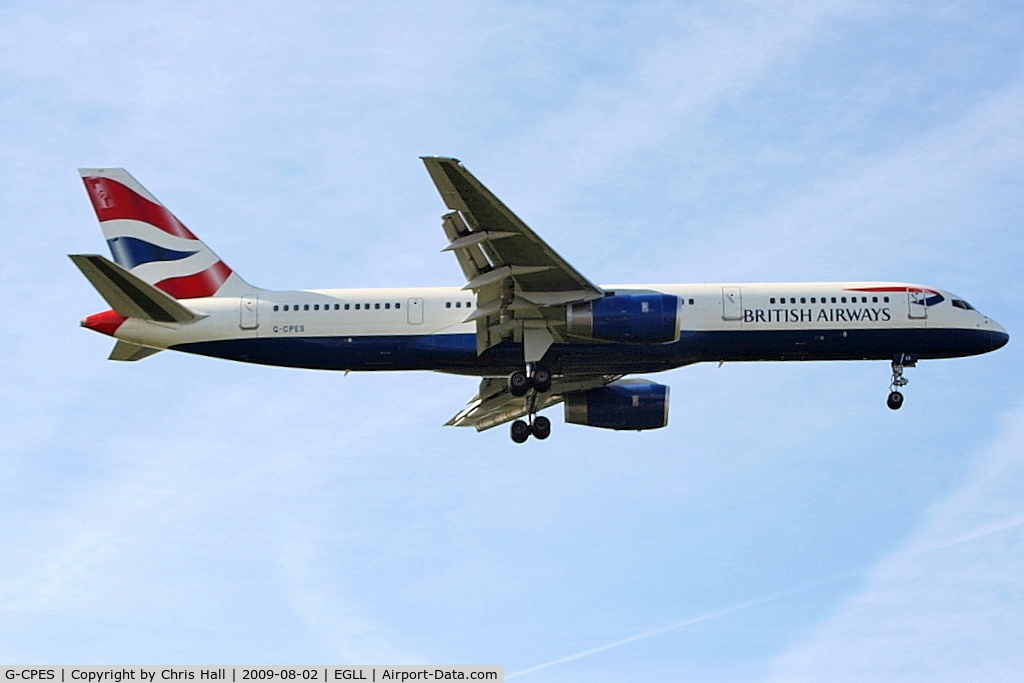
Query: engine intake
point(649, 318)
point(625, 404)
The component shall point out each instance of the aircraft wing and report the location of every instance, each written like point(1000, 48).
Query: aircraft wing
point(522, 285)
point(494, 405)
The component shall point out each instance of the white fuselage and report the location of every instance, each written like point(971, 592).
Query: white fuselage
point(427, 328)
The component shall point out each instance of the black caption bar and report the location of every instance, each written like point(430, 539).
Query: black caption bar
point(366, 673)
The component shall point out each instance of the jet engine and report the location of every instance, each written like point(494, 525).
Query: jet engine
point(625, 404)
point(647, 318)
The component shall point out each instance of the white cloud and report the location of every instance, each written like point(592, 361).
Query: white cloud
point(950, 606)
point(685, 60)
point(906, 213)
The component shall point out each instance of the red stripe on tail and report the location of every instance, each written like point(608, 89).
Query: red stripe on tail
point(202, 284)
point(112, 201)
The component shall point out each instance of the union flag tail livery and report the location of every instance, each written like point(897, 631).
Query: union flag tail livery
point(530, 326)
point(148, 241)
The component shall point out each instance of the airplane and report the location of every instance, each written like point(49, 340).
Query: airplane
point(529, 325)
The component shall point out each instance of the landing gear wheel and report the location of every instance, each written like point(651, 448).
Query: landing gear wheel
point(541, 380)
point(541, 427)
point(520, 431)
point(899, 362)
point(518, 384)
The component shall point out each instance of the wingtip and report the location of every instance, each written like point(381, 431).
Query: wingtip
point(439, 158)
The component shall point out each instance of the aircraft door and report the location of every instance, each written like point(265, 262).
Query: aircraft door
point(415, 308)
point(248, 312)
point(918, 306)
point(732, 303)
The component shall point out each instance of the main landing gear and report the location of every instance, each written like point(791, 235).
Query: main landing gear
point(899, 361)
point(520, 384)
point(539, 427)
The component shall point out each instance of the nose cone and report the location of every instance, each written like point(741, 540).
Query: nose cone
point(999, 335)
point(106, 322)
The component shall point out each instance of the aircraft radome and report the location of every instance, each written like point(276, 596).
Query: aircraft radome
point(530, 326)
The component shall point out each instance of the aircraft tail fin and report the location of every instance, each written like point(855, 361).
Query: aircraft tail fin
point(147, 240)
point(129, 295)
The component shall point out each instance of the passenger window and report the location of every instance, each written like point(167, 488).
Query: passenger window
point(398, 305)
point(803, 300)
point(812, 300)
point(792, 299)
point(874, 299)
point(316, 307)
point(275, 308)
point(458, 304)
point(863, 299)
point(843, 300)
point(366, 306)
point(305, 307)
point(691, 302)
point(357, 307)
point(377, 306)
point(387, 306)
point(885, 299)
point(772, 300)
point(346, 307)
point(833, 299)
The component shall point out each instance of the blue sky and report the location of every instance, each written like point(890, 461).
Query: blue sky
point(786, 526)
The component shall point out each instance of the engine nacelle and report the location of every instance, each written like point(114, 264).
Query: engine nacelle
point(648, 318)
point(625, 404)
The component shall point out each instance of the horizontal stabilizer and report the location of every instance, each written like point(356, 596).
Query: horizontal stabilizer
point(127, 351)
point(129, 295)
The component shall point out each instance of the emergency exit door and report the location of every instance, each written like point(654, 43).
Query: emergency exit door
point(415, 310)
point(248, 312)
point(732, 303)
point(918, 304)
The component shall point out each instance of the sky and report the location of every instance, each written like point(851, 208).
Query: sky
point(785, 526)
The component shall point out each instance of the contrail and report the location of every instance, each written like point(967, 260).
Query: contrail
point(980, 532)
point(707, 616)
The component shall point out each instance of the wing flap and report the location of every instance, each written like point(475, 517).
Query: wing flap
point(520, 282)
point(493, 405)
point(509, 241)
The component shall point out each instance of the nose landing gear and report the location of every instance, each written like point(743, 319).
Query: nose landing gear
point(895, 400)
point(899, 361)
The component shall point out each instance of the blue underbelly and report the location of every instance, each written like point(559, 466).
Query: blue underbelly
point(456, 353)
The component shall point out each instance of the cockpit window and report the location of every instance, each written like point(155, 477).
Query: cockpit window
point(960, 303)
